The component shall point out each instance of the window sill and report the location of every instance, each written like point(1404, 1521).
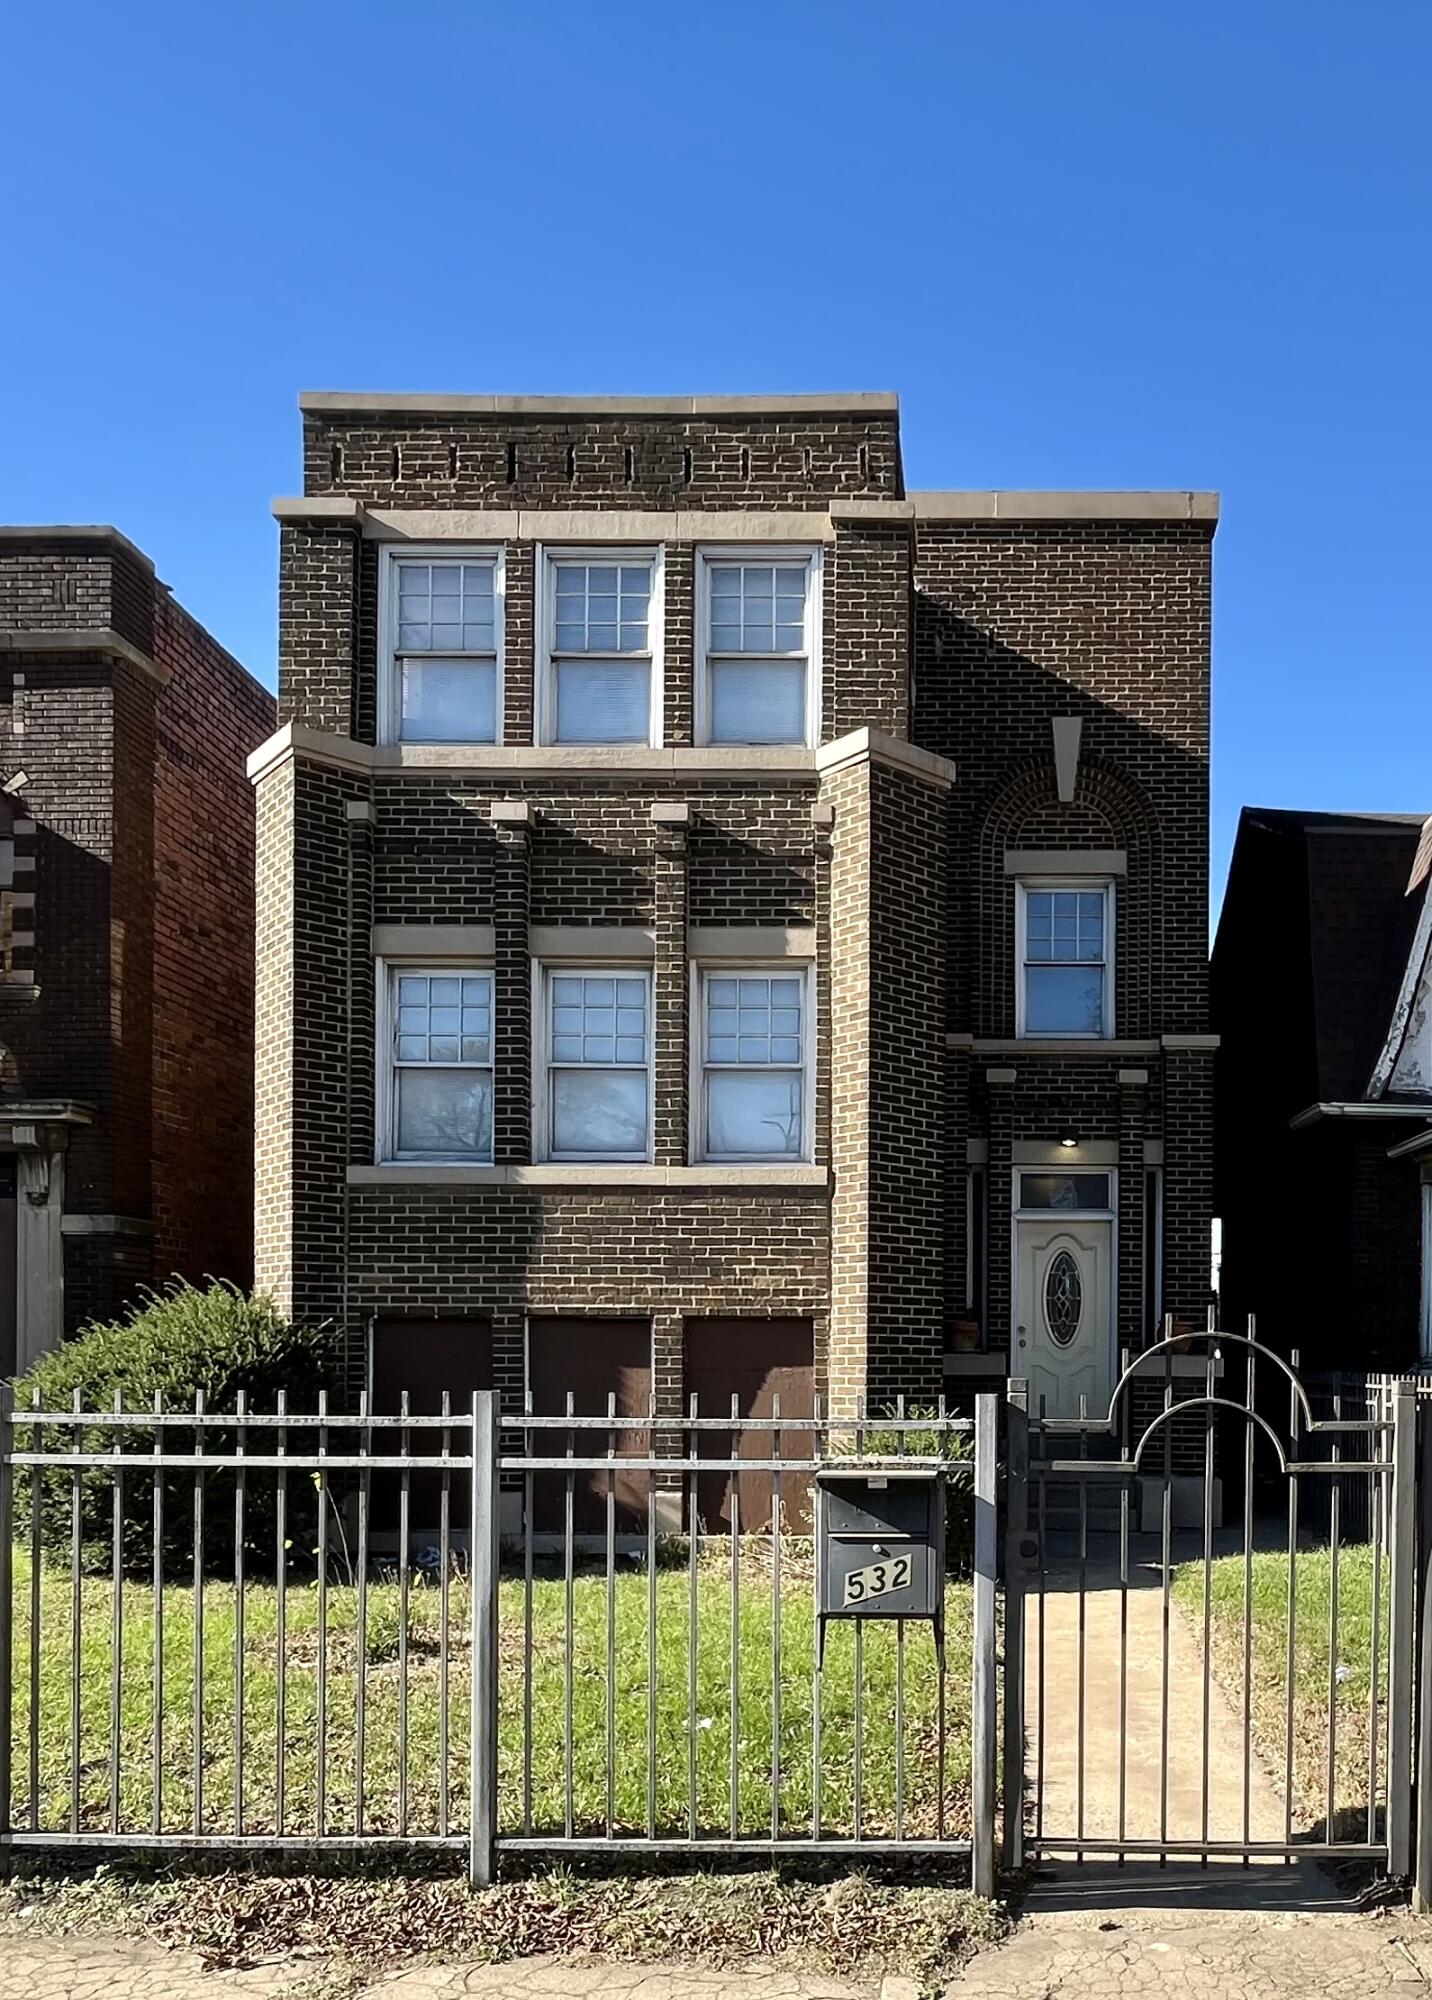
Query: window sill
point(1056, 1045)
point(801, 1178)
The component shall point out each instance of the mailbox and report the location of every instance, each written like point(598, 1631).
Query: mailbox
point(880, 1542)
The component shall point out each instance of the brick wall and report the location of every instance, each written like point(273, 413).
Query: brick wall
point(472, 460)
point(137, 997)
point(209, 718)
point(1016, 624)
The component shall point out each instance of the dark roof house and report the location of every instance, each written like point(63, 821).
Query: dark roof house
point(1323, 1163)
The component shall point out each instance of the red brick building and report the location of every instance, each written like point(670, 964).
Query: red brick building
point(126, 937)
point(727, 923)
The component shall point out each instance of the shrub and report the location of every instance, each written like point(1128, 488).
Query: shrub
point(178, 1343)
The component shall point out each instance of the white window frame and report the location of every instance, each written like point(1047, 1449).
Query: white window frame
point(387, 972)
point(757, 968)
point(759, 552)
point(1041, 884)
point(543, 973)
point(550, 556)
point(389, 689)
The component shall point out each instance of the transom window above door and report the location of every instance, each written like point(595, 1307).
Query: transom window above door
point(758, 667)
point(440, 669)
point(600, 666)
point(1065, 949)
point(1061, 1193)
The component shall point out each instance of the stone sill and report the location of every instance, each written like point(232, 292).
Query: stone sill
point(794, 1179)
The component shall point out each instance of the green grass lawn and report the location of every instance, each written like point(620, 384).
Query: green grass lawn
point(426, 1779)
point(1352, 1669)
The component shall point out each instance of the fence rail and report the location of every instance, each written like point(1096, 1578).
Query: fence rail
point(474, 1629)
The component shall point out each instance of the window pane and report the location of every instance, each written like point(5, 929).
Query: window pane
point(753, 1114)
point(602, 1019)
point(1064, 1000)
point(602, 608)
point(448, 701)
point(1064, 1190)
point(758, 607)
point(751, 704)
point(610, 703)
point(599, 1113)
point(447, 1113)
point(446, 604)
point(444, 1018)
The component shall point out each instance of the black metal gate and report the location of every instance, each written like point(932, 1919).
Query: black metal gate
point(1210, 1610)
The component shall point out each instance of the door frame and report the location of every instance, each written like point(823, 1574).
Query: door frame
point(1060, 1158)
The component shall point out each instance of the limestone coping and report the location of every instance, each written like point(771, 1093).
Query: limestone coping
point(494, 760)
point(860, 402)
point(76, 535)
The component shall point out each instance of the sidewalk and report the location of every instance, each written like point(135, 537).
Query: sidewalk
point(1072, 1942)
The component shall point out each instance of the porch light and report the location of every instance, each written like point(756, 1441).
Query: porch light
point(1069, 1138)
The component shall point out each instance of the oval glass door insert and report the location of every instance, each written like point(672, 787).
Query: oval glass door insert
point(1063, 1298)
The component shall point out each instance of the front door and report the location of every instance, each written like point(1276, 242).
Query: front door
point(1063, 1328)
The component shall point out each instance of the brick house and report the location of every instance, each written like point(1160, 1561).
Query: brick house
point(727, 924)
point(126, 937)
point(1322, 994)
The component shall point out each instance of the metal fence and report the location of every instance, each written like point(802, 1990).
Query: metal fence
point(329, 1630)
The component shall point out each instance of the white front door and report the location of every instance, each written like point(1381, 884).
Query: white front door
point(1063, 1329)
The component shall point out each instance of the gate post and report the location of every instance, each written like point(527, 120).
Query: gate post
point(7, 1583)
point(1401, 1692)
point(1422, 1843)
point(983, 1753)
point(483, 1552)
point(1016, 1530)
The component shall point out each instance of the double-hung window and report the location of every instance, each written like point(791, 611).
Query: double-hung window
point(1066, 959)
point(441, 679)
point(595, 1082)
point(759, 666)
point(600, 669)
point(439, 1063)
point(755, 1041)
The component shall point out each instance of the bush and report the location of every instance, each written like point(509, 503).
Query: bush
point(179, 1342)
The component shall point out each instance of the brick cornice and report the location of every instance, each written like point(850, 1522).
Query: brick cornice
point(102, 639)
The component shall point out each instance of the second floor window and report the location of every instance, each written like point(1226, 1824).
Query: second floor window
point(1066, 959)
point(758, 668)
point(754, 1044)
point(444, 618)
point(596, 1065)
point(440, 1064)
point(599, 670)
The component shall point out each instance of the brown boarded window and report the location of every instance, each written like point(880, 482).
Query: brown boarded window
point(424, 1357)
point(756, 1361)
point(592, 1360)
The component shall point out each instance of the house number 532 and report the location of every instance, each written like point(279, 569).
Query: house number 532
point(877, 1580)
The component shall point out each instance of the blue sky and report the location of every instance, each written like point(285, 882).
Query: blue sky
point(1091, 244)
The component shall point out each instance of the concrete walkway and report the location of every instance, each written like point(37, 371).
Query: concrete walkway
point(1146, 1812)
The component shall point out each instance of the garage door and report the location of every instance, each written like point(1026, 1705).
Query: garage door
point(592, 1360)
point(756, 1361)
point(425, 1357)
